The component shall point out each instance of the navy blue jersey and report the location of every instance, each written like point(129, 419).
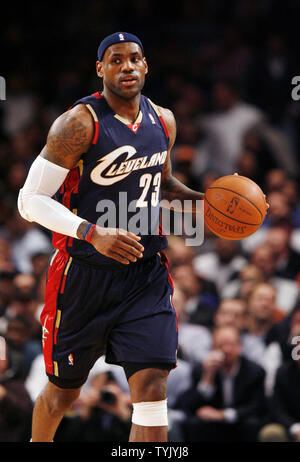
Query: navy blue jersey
point(117, 181)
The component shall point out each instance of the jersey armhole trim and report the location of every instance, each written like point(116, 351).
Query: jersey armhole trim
point(98, 94)
point(160, 117)
point(96, 123)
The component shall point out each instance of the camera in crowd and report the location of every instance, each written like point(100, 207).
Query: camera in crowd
point(107, 397)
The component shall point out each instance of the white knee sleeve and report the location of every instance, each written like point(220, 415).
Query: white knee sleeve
point(150, 413)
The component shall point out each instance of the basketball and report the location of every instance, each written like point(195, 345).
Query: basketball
point(234, 207)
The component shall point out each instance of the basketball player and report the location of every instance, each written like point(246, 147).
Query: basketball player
point(108, 290)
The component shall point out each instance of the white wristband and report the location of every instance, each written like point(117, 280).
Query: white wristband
point(35, 201)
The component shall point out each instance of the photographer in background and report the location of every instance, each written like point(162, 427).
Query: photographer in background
point(101, 413)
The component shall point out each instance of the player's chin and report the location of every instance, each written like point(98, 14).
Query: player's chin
point(130, 91)
point(129, 95)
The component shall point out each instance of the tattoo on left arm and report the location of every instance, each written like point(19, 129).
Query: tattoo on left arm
point(173, 189)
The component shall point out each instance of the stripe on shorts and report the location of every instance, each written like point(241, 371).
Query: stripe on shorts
point(165, 262)
point(51, 314)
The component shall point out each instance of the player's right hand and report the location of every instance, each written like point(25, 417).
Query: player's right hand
point(117, 243)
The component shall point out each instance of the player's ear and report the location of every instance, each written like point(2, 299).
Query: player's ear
point(146, 65)
point(99, 68)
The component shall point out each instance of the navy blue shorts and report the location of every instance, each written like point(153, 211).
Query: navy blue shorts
point(125, 313)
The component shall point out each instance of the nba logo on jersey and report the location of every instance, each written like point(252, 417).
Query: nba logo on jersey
point(70, 360)
point(152, 118)
point(121, 36)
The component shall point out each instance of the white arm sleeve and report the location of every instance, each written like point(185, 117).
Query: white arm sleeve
point(35, 201)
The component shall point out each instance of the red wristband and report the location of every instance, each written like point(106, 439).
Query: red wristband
point(89, 234)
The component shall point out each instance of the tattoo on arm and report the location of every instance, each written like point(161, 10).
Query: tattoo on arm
point(69, 137)
point(174, 189)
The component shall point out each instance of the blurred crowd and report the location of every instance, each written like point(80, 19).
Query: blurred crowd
point(225, 69)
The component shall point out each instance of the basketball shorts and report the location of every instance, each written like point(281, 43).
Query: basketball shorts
point(125, 313)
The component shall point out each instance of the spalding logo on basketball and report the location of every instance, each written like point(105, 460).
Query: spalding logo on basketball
point(234, 207)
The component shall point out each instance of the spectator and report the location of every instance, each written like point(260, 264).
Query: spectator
point(279, 349)
point(179, 380)
point(291, 192)
point(40, 294)
point(287, 264)
point(260, 318)
point(36, 378)
point(24, 302)
point(27, 239)
point(274, 63)
point(247, 165)
point(256, 156)
point(20, 107)
point(183, 157)
point(19, 337)
point(25, 286)
point(39, 262)
point(287, 291)
point(102, 413)
point(6, 263)
point(178, 253)
point(285, 403)
point(15, 403)
point(236, 313)
point(226, 401)
point(241, 286)
point(202, 298)
point(226, 127)
point(231, 313)
point(16, 178)
point(6, 296)
point(282, 213)
point(275, 180)
point(232, 56)
point(221, 265)
point(194, 340)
